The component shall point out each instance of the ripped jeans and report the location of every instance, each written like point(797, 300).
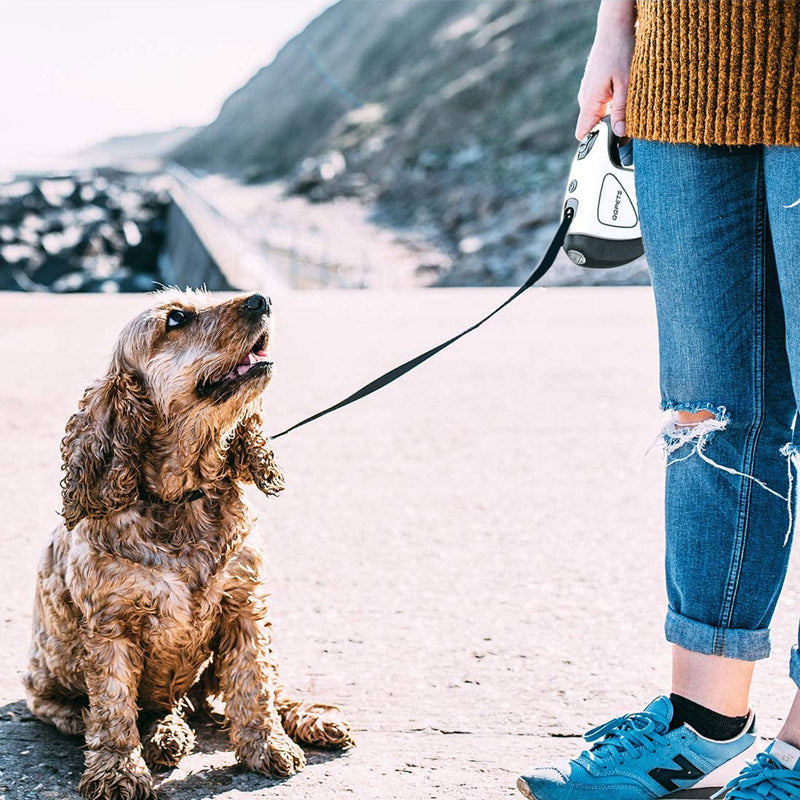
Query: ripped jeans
point(721, 229)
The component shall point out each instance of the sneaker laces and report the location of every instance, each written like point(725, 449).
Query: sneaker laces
point(765, 777)
point(628, 735)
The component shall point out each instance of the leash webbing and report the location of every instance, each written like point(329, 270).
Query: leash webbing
point(393, 374)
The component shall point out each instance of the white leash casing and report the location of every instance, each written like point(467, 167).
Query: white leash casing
point(601, 193)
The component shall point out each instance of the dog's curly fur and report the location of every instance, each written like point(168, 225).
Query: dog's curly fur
point(151, 593)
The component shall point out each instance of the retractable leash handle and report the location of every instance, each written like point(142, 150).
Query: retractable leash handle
point(601, 216)
point(602, 193)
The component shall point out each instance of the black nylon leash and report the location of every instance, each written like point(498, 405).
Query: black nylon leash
point(393, 374)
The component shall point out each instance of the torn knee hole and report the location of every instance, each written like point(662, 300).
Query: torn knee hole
point(690, 427)
point(692, 424)
point(688, 418)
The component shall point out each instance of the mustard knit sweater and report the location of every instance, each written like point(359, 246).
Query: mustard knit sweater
point(716, 72)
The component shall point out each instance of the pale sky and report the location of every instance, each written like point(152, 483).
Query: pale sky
point(74, 72)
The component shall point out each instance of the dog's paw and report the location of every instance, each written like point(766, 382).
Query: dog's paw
point(167, 741)
point(319, 725)
point(70, 722)
point(113, 776)
point(277, 756)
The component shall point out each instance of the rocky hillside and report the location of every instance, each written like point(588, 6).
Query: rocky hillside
point(456, 118)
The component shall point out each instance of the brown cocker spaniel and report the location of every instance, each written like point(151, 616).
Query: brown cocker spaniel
point(150, 594)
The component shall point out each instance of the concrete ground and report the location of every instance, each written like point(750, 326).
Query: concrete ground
point(470, 562)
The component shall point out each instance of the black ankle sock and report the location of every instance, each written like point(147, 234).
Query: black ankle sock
point(706, 722)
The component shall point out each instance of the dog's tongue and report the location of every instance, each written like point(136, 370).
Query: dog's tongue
point(248, 361)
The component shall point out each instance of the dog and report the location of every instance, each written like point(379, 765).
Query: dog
point(150, 593)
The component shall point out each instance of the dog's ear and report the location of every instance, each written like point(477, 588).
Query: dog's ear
point(250, 458)
point(102, 452)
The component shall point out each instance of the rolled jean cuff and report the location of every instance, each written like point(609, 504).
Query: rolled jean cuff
point(729, 642)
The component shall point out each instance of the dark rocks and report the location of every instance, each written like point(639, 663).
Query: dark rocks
point(143, 257)
point(8, 280)
point(312, 174)
point(97, 231)
point(50, 270)
point(13, 211)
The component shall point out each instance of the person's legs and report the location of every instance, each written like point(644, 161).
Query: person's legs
point(725, 381)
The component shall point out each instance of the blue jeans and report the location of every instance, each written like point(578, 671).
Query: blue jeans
point(721, 229)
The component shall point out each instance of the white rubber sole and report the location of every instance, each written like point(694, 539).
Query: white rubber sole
point(703, 789)
point(703, 793)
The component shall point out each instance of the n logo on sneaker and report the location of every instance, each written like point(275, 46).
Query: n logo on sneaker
point(667, 777)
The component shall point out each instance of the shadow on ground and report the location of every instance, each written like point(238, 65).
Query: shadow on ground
point(36, 761)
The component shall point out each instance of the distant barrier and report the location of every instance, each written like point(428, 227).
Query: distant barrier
point(186, 261)
point(205, 247)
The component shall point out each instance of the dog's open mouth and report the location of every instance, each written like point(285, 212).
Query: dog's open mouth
point(254, 362)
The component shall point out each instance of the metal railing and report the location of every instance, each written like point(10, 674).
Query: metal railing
point(248, 261)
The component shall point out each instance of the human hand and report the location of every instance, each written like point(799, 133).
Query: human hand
point(605, 79)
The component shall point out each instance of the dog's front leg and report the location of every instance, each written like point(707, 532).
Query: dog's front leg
point(115, 769)
point(246, 677)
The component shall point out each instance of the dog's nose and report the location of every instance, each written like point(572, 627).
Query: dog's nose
point(257, 305)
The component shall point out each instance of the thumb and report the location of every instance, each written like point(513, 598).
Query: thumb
point(618, 108)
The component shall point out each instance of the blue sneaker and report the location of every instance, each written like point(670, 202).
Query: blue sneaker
point(774, 775)
point(637, 757)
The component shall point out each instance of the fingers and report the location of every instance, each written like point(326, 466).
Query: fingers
point(587, 119)
point(594, 95)
point(618, 107)
point(594, 105)
point(591, 113)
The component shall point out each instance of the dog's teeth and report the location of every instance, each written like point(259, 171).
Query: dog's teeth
point(252, 358)
point(242, 369)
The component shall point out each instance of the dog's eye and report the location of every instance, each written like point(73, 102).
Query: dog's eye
point(177, 318)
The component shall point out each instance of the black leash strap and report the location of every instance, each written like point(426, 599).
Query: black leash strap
point(398, 372)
